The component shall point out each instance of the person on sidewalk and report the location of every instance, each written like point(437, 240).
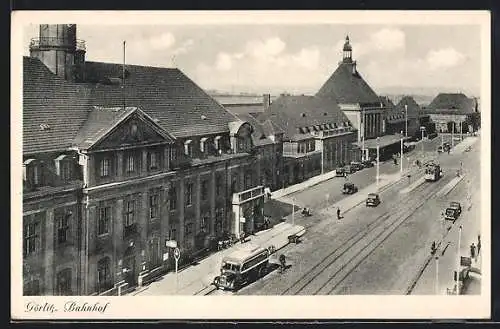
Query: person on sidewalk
point(473, 251)
point(478, 243)
point(338, 213)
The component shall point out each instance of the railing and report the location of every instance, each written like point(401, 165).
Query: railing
point(248, 194)
point(37, 43)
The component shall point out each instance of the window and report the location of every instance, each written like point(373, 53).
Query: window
point(155, 257)
point(248, 179)
point(189, 194)
point(203, 144)
point(153, 205)
point(130, 164)
point(172, 234)
point(62, 222)
point(104, 167)
point(172, 196)
point(129, 213)
point(218, 184)
point(204, 189)
point(104, 275)
point(188, 229)
point(217, 143)
point(154, 160)
point(32, 288)
point(104, 219)
point(63, 283)
point(188, 148)
point(66, 170)
point(32, 242)
point(204, 222)
point(32, 172)
point(219, 218)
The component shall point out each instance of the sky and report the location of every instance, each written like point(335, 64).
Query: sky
point(295, 58)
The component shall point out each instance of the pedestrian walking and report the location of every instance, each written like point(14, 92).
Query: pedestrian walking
point(478, 244)
point(472, 251)
point(338, 213)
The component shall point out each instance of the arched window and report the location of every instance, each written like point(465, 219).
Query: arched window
point(104, 274)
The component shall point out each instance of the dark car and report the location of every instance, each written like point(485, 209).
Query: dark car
point(339, 172)
point(456, 205)
point(349, 188)
point(440, 149)
point(373, 200)
point(356, 165)
point(451, 213)
point(368, 163)
point(349, 169)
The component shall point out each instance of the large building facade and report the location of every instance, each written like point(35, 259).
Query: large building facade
point(119, 162)
point(454, 112)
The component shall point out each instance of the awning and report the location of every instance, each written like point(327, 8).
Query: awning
point(383, 141)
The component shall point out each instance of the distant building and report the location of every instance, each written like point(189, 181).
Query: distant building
point(317, 137)
point(119, 160)
point(454, 112)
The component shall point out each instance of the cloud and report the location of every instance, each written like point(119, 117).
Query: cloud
point(184, 47)
point(444, 58)
point(224, 62)
point(266, 49)
point(162, 41)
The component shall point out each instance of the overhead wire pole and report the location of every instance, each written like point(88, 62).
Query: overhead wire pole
point(401, 159)
point(362, 124)
point(123, 76)
point(458, 259)
point(378, 161)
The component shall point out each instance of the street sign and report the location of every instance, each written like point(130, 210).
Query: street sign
point(177, 253)
point(171, 243)
point(242, 219)
point(165, 256)
point(465, 261)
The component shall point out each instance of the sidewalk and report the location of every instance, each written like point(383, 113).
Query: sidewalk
point(197, 278)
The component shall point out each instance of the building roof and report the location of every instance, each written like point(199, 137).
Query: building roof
point(454, 103)
point(413, 108)
point(290, 113)
point(54, 110)
point(259, 135)
point(245, 108)
point(348, 87)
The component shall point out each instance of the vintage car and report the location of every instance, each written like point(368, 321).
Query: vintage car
point(355, 165)
point(440, 149)
point(368, 163)
point(451, 213)
point(349, 188)
point(339, 172)
point(349, 169)
point(456, 205)
point(372, 200)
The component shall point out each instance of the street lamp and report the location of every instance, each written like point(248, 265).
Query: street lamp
point(401, 160)
point(458, 261)
point(437, 275)
point(406, 120)
point(452, 130)
point(422, 129)
point(378, 160)
point(362, 124)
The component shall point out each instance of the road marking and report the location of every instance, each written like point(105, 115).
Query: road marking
point(448, 187)
point(413, 186)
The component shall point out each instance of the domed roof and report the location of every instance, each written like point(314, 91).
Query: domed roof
point(347, 45)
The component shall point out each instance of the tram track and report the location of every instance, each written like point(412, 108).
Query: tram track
point(383, 228)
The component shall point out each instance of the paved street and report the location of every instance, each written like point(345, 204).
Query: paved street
point(326, 262)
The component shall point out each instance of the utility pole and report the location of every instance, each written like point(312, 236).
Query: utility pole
point(401, 164)
point(437, 275)
point(458, 259)
point(452, 130)
point(406, 120)
point(363, 133)
point(378, 161)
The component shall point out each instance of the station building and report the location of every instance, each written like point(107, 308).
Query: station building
point(454, 112)
point(119, 161)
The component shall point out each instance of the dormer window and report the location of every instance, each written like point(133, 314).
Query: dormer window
point(203, 144)
point(188, 148)
point(32, 172)
point(217, 142)
point(64, 167)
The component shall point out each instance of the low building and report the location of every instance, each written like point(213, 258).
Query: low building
point(317, 136)
point(454, 112)
point(119, 162)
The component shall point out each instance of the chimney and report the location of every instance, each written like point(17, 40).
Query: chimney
point(266, 100)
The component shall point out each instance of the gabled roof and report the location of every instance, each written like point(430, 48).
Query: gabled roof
point(53, 109)
point(348, 87)
point(102, 120)
point(413, 107)
point(290, 113)
point(182, 107)
point(453, 103)
point(259, 135)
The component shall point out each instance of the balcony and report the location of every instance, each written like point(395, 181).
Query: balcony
point(253, 193)
point(49, 42)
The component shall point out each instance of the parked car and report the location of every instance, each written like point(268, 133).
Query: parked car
point(440, 149)
point(339, 172)
point(356, 165)
point(349, 169)
point(456, 205)
point(373, 200)
point(349, 188)
point(368, 163)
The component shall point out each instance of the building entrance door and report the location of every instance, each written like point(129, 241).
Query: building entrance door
point(129, 267)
